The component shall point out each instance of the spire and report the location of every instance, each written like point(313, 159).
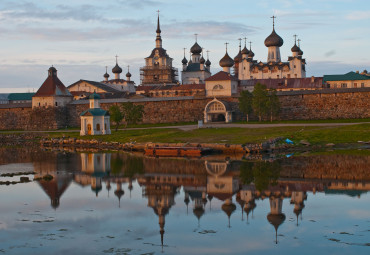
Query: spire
point(240, 44)
point(158, 25)
point(158, 39)
point(295, 39)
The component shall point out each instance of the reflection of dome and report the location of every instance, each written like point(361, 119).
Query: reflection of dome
point(276, 220)
point(228, 209)
point(274, 40)
point(119, 193)
point(198, 212)
point(96, 190)
point(226, 61)
point(196, 49)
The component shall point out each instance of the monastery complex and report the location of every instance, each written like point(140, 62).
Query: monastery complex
point(199, 94)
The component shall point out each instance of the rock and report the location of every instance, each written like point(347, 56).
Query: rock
point(330, 144)
point(304, 142)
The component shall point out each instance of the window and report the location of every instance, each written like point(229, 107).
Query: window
point(362, 85)
point(56, 103)
point(218, 86)
point(344, 85)
point(355, 85)
point(105, 126)
point(98, 127)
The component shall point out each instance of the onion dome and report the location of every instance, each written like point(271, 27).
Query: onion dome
point(295, 48)
point(190, 62)
point(238, 57)
point(250, 54)
point(300, 53)
point(226, 61)
point(94, 96)
point(202, 60)
point(196, 49)
point(117, 69)
point(208, 63)
point(184, 61)
point(128, 74)
point(245, 51)
point(274, 40)
point(106, 75)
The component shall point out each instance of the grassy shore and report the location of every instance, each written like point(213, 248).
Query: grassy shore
point(315, 135)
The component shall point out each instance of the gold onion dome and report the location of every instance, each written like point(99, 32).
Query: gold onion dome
point(274, 40)
point(226, 61)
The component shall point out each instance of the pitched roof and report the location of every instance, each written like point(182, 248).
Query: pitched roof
point(351, 76)
point(222, 76)
point(290, 83)
point(20, 96)
point(116, 81)
point(94, 112)
point(97, 85)
point(161, 52)
point(52, 86)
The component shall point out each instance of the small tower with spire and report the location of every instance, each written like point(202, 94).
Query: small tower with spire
point(184, 61)
point(128, 74)
point(238, 58)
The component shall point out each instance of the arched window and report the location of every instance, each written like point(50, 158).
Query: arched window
point(218, 86)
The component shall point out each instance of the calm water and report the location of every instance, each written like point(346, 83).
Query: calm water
point(116, 203)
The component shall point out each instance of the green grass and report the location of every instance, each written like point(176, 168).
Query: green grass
point(306, 121)
point(315, 135)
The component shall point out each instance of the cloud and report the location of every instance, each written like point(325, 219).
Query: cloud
point(330, 53)
point(141, 3)
point(358, 15)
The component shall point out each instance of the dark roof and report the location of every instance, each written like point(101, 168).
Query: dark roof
point(98, 85)
point(222, 76)
point(292, 83)
point(20, 96)
point(52, 86)
point(171, 87)
point(94, 112)
point(161, 52)
point(116, 69)
point(226, 61)
point(274, 40)
point(196, 49)
point(351, 76)
point(195, 67)
point(295, 48)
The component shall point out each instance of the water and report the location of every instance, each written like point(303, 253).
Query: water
point(117, 203)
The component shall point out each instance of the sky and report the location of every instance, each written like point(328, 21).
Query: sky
point(81, 37)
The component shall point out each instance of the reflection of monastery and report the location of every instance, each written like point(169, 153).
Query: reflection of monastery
point(202, 182)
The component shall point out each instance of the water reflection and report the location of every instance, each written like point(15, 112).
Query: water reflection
point(199, 182)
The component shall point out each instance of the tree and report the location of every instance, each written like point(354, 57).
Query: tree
point(115, 115)
point(260, 100)
point(132, 113)
point(245, 103)
point(273, 104)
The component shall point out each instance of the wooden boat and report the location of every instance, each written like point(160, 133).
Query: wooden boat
point(176, 151)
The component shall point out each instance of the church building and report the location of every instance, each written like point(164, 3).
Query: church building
point(158, 68)
point(95, 121)
point(247, 68)
point(197, 69)
point(52, 92)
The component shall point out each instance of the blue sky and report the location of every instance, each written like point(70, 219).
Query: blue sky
point(81, 37)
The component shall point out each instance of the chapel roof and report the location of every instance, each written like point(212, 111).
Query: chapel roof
point(52, 86)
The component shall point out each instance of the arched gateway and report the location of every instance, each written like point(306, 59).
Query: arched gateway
point(217, 111)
